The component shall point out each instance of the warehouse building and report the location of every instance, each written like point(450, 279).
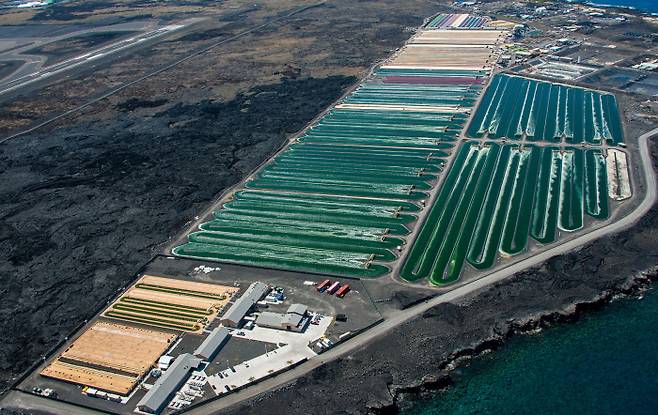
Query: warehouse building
point(213, 343)
point(234, 315)
point(166, 386)
point(293, 320)
point(299, 309)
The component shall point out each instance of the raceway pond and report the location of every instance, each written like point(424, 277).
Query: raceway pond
point(515, 107)
point(343, 198)
point(496, 196)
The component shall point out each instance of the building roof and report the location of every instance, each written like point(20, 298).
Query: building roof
point(213, 343)
point(166, 359)
point(267, 318)
point(158, 396)
point(292, 319)
point(241, 306)
point(297, 309)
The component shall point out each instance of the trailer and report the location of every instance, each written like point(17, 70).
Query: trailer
point(343, 291)
point(334, 287)
point(323, 285)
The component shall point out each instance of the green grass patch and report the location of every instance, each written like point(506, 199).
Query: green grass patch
point(161, 313)
point(152, 321)
point(161, 304)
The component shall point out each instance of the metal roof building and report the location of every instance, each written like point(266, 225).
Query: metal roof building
point(158, 396)
point(297, 309)
point(292, 320)
point(280, 321)
point(269, 319)
point(242, 305)
point(213, 343)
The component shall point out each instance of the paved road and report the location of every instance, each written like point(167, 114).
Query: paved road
point(27, 401)
point(405, 315)
point(30, 402)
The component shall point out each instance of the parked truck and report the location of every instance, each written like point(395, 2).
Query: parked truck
point(334, 287)
point(343, 291)
point(323, 285)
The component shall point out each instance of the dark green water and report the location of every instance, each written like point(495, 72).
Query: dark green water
point(607, 363)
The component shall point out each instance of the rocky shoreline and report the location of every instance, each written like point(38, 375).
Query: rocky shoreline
point(405, 395)
point(415, 359)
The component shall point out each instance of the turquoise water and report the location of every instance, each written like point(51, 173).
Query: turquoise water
point(643, 5)
point(606, 363)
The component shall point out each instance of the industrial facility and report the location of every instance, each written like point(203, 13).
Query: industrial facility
point(233, 317)
point(161, 392)
point(152, 357)
point(343, 197)
point(295, 319)
point(439, 166)
point(213, 343)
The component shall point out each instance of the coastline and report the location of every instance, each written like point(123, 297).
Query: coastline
point(602, 363)
point(384, 376)
point(560, 290)
point(606, 5)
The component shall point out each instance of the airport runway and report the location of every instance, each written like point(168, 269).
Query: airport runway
point(19, 46)
point(58, 68)
point(160, 70)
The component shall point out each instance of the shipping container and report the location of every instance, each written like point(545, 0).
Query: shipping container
point(323, 285)
point(334, 287)
point(343, 290)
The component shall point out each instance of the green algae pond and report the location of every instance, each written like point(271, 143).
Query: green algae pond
point(344, 197)
point(495, 196)
point(514, 107)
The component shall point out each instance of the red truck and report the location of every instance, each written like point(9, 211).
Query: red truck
point(323, 285)
point(343, 290)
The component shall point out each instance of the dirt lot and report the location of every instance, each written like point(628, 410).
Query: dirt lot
point(92, 198)
point(110, 356)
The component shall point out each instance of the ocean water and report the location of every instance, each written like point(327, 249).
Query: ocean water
point(606, 363)
point(643, 5)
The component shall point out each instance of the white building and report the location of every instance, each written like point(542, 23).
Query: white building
point(294, 319)
point(234, 315)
